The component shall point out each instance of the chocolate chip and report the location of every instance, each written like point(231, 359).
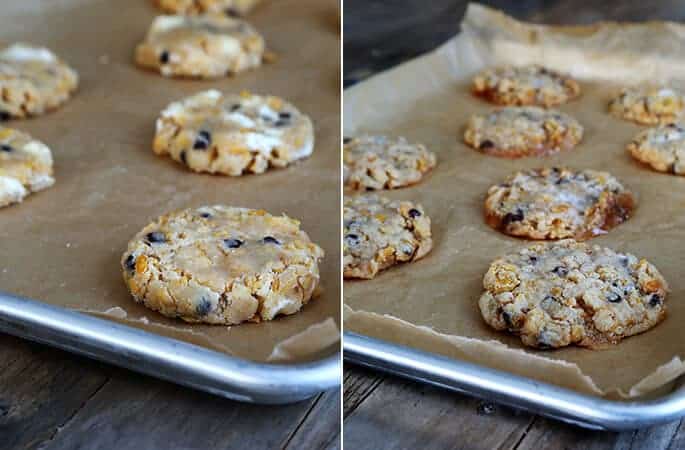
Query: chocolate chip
point(205, 215)
point(507, 319)
point(202, 141)
point(613, 297)
point(233, 243)
point(183, 157)
point(414, 213)
point(560, 270)
point(231, 12)
point(284, 115)
point(347, 140)
point(271, 240)
point(204, 307)
point(130, 262)
point(352, 239)
point(5, 116)
point(654, 300)
point(512, 217)
point(282, 122)
point(156, 237)
point(533, 259)
point(235, 107)
point(6, 148)
point(486, 144)
point(164, 57)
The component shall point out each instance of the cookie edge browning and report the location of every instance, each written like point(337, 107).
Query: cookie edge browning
point(184, 310)
point(643, 118)
point(610, 211)
point(593, 340)
point(648, 157)
point(560, 145)
point(491, 95)
point(375, 266)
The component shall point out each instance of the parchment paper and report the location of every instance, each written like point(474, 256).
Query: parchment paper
point(63, 245)
point(432, 304)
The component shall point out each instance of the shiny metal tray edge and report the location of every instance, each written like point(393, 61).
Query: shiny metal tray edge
point(512, 390)
point(166, 358)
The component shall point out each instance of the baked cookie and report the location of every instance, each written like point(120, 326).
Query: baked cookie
point(525, 85)
point(380, 162)
point(514, 132)
point(207, 46)
point(233, 134)
point(222, 265)
point(228, 7)
point(662, 148)
point(25, 166)
point(649, 106)
point(570, 293)
point(33, 81)
point(380, 233)
point(558, 203)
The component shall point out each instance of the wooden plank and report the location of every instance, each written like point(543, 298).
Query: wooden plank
point(40, 389)
point(134, 411)
point(358, 383)
point(320, 428)
point(403, 414)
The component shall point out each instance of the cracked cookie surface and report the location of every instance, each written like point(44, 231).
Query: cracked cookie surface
point(381, 162)
point(25, 166)
point(222, 265)
point(233, 134)
point(515, 132)
point(228, 7)
point(662, 148)
point(33, 81)
point(379, 233)
point(558, 203)
point(570, 293)
point(206, 46)
point(525, 85)
point(649, 105)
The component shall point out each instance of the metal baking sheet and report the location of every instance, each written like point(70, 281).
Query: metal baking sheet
point(512, 390)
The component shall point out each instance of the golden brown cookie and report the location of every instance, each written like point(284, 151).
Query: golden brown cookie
point(558, 203)
point(649, 105)
point(570, 293)
point(525, 85)
point(514, 132)
point(379, 233)
point(381, 162)
point(662, 148)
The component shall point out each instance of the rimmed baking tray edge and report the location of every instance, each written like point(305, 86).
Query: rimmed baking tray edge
point(167, 358)
point(512, 390)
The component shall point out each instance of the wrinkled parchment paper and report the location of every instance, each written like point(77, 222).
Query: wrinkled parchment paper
point(63, 245)
point(432, 304)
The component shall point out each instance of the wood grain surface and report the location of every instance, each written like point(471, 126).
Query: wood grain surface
point(385, 412)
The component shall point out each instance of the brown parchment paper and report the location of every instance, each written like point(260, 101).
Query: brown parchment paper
point(432, 304)
point(63, 245)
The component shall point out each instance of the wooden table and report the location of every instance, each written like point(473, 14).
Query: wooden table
point(383, 412)
point(51, 399)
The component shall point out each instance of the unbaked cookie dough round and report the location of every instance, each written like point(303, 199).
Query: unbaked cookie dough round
point(381, 162)
point(206, 46)
point(25, 166)
point(525, 85)
point(558, 203)
point(233, 134)
point(222, 265)
point(33, 81)
point(570, 293)
point(379, 233)
point(514, 132)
